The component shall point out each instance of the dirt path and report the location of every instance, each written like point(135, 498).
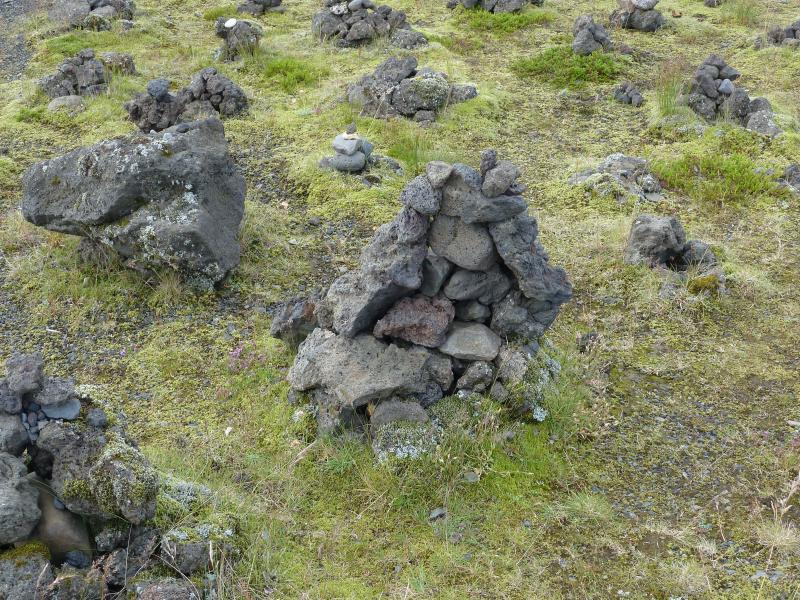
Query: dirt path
point(14, 51)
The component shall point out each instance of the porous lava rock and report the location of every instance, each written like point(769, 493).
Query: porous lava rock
point(589, 36)
point(352, 153)
point(451, 282)
point(90, 14)
point(788, 37)
point(620, 176)
point(259, 7)
point(79, 511)
point(239, 37)
point(357, 22)
point(398, 88)
point(714, 96)
point(209, 94)
point(638, 14)
point(170, 200)
point(81, 75)
point(495, 6)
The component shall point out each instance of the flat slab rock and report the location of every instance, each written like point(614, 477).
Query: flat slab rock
point(471, 341)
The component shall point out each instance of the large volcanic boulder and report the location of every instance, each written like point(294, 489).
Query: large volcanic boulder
point(81, 75)
point(172, 200)
point(398, 88)
point(209, 94)
point(714, 96)
point(444, 286)
point(357, 22)
point(239, 37)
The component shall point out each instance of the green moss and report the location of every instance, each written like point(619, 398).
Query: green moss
point(704, 283)
point(561, 67)
point(22, 553)
point(502, 23)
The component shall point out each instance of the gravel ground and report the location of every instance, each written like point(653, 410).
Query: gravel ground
point(14, 51)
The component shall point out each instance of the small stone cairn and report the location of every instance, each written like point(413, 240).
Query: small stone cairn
point(589, 36)
point(76, 516)
point(638, 14)
point(398, 88)
point(357, 22)
point(81, 75)
point(621, 177)
point(713, 95)
point(92, 14)
point(627, 93)
point(352, 153)
point(495, 6)
point(239, 38)
point(259, 7)
point(445, 299)
point(210, 94)
point(788, 37)
point(660, 243)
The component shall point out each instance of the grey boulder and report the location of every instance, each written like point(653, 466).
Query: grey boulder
point(19, 512)
point(471, 341)
point(655, 241)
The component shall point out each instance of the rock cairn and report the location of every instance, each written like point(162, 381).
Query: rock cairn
point(781, 36)
point(638, 14)
point(210, 94)
point(495, 6)
point(620, 177)
point(91, 14)
point(259, 7)
point(627, 93)
point(397, 87)
point(660, 243)
point(713, 95)
point(81, 75)
point(170, 200)
point(79, 511)
point(239, 38)
point(440, 298)
point(352, 153)
point(357, 22)
point(589, 36)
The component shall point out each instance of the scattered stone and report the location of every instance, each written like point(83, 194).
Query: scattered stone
point(209, 95)
point(495, 6)
point(358, 22)
point(781, 36)
point(164, 200)
point(81, 75)
point(398, 88)
point(638, 14)
point(621, 176)
point(713, 96)
point(405, 287)
point(627, 93)
point(259, 7)
point(240, 37)
point(589, 36)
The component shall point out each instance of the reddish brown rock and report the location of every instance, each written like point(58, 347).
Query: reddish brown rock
point(417, 319)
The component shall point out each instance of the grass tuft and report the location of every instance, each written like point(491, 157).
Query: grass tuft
point(741, 12)
point(561, 67)
point(504, 23)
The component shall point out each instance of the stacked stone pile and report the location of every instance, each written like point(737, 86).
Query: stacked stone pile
point(81, 75)
point(91, 14)
point(495, 6)
point(589, 36)
point(781, 36)
point(442, 299)
point(210, 94)
point(713, 95)
point(239, 38)
point(627, 93)
point(640, 15)
point(170, 200)
point(398, 88)
point(77, 497)
point(660, 243)
point(352, 153)
point(259, 7)
point(357, 22)
point(621, 176)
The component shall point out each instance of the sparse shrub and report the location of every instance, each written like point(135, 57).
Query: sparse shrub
point(411, 147)
point(288, 72)
point(503, 23)
point(670, 83)
point(561, 67)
